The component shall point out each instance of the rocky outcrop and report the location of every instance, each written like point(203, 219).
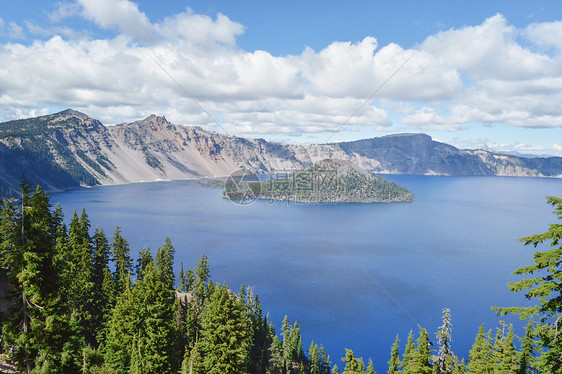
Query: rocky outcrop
point(69, 149)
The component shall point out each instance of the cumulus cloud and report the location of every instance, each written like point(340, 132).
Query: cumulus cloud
point(545, 34)
point(474, 74)
point(121, 14)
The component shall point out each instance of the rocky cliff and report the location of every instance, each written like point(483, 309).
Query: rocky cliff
point(69, 149)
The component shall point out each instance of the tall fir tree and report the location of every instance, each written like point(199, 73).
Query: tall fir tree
point(544, 284)
point(394, 361)
point(481, 356)
point(370, 367)
point(420, 358)
point(353, 365)
point(314, 357)
point(122, 260)
point(409, 353)
point(223, 334)
point(446, 361)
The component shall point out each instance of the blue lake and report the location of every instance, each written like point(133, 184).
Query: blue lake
point(352, 275)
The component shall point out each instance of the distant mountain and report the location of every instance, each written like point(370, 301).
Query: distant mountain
point(70, 149)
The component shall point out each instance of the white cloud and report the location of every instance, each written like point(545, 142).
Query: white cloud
point(121, 14)
point(15, 31)
point(475, 74)
point(547, 34)
point(64, 10)
point(557, 147)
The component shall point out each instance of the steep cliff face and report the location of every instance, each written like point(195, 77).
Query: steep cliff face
point(69, 149)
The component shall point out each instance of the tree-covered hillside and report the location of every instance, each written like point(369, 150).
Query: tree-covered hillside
point(79, 303)
point(333, 181)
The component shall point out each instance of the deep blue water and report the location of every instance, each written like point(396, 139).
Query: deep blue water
point(353, 275)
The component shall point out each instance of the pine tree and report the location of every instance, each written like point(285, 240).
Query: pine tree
point(324, 361)
point(165, 263)
point(409, 353)
point(420, 359)
point(82, 282)
point(154, 327)
point(446, 360)
point(394, 362)
point(314, 356)
point(223, 337)
point(43, 336)
point(285, 343)
point(526, 359)
point(353, 365)
point(504, 351)
point(144, 259)
point(122, 260)
point(545, 285)
point(370, 368)
point(103, 288)
point(183, 281)
point(296, 355)
point(276, 360)
point(119, 341)
point(481, 358)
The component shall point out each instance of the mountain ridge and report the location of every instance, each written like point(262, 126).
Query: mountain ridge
point(70, 149)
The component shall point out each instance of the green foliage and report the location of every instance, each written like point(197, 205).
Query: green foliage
point(446, 361)
point(224, 335)
point(481, 355)
point(394, 362)
point(544, 284)
point(353, 365)
point(123, 261)
point(325, 183)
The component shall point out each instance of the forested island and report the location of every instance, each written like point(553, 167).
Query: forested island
point(333, 181)
point(77, 302)
point(328, 181)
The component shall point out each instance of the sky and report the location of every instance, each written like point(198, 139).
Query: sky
point(478, 74)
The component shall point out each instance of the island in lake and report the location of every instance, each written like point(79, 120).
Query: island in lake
point(327, 181)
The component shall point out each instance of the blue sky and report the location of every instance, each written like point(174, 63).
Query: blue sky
point(474, 74)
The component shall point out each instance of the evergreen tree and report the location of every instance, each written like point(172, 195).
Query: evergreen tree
point(324, 361)
point(314, 357)
point(154, 328)
point(481, 358)
point(223, 334)
point(335, 370)
point(183, 281)
point(42, 335)
point(420, 359)
point(446, 360)
point(394, 362)
point(296, 355)
point(353, 365)
point(545, 285)
point(103, 287)
point(82, 289)
point(409, 353)
point(526, 359)
point(370, 368)
point(165, 263)
point(504, 351)
point(122, 260)
point(144, 259)
point(119, 341)
point(276, 360)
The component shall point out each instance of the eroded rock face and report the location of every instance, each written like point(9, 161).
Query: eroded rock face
point(69, 149)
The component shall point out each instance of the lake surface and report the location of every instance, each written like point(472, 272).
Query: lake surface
point(353, 275)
